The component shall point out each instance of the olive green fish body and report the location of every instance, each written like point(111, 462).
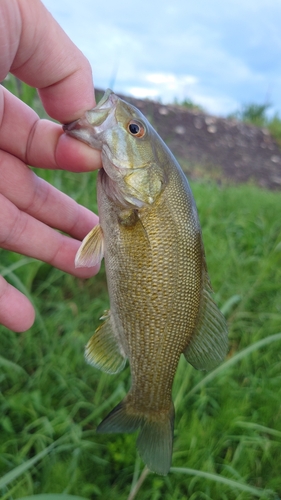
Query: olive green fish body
point(159, 289)
point(154, 296)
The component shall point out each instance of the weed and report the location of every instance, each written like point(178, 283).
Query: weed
point(228, 425)
point(256, 114)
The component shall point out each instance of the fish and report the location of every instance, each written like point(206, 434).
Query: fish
point(161, 300)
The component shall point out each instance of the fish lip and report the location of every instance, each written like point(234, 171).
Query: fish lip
point(107, 100)
point(98, 116)
point(95, 116)
point(94, 122)
point(68, 127)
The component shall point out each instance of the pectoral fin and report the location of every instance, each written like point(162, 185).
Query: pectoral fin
point(103, 350)
point(209, 343)
point(91, 250)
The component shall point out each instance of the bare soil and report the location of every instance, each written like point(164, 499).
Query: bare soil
point(218, 148)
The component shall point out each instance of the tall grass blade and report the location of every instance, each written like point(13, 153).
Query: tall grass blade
point(139, 483)
point(4, 271)
point(5, 363)
point(259, 428)
point(52, 496)
point(232, 361)
point(224, 480)
point(13, 474)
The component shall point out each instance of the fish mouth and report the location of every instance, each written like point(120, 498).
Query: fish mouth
point(90, 126)
point(108, 99)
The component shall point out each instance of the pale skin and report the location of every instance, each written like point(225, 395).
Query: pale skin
point(36, 50)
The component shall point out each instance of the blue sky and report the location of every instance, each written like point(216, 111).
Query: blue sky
point(220, 54)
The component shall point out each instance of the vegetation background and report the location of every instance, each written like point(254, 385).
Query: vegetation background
point(228, 422)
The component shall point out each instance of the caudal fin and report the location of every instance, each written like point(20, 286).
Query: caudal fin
point(155, 439)
point(155, 442)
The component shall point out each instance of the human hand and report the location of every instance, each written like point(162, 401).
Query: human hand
point(36, 50)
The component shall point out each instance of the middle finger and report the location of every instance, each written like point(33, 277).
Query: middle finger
point(38, 198)
point(26, 235)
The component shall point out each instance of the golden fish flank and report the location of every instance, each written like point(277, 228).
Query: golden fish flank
point(159, 289)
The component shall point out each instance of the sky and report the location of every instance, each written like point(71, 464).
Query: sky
point(218, 54)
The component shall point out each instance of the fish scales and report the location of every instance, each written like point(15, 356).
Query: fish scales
point(158, 348)
point(160, 295)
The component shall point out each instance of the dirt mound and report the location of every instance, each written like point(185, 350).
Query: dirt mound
point(222, 149)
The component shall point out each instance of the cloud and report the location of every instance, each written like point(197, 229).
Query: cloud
point(223, 53)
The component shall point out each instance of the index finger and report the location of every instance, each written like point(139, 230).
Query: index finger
point(42, 55)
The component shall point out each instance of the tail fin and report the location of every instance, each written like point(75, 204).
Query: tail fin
point(155, 440)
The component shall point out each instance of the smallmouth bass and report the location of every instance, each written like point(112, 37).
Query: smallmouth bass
point(160, 294)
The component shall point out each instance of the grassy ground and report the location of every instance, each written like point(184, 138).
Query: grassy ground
point(228, 426)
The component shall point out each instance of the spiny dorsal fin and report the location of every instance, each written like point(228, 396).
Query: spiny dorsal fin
point(91, 250)
point(209, 345)
point(103, 350)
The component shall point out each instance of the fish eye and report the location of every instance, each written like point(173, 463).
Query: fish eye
point(136, 128)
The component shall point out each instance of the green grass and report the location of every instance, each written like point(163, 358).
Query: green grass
point(228, 426)
point(251, 113)
point(228, 422)
point(256, 114)
point(189, 104)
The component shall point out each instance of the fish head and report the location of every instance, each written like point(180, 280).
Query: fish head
point(131, 148)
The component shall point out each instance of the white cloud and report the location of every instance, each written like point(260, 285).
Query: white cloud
point(216, 53)
point(143, 92)
point(170, 79)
